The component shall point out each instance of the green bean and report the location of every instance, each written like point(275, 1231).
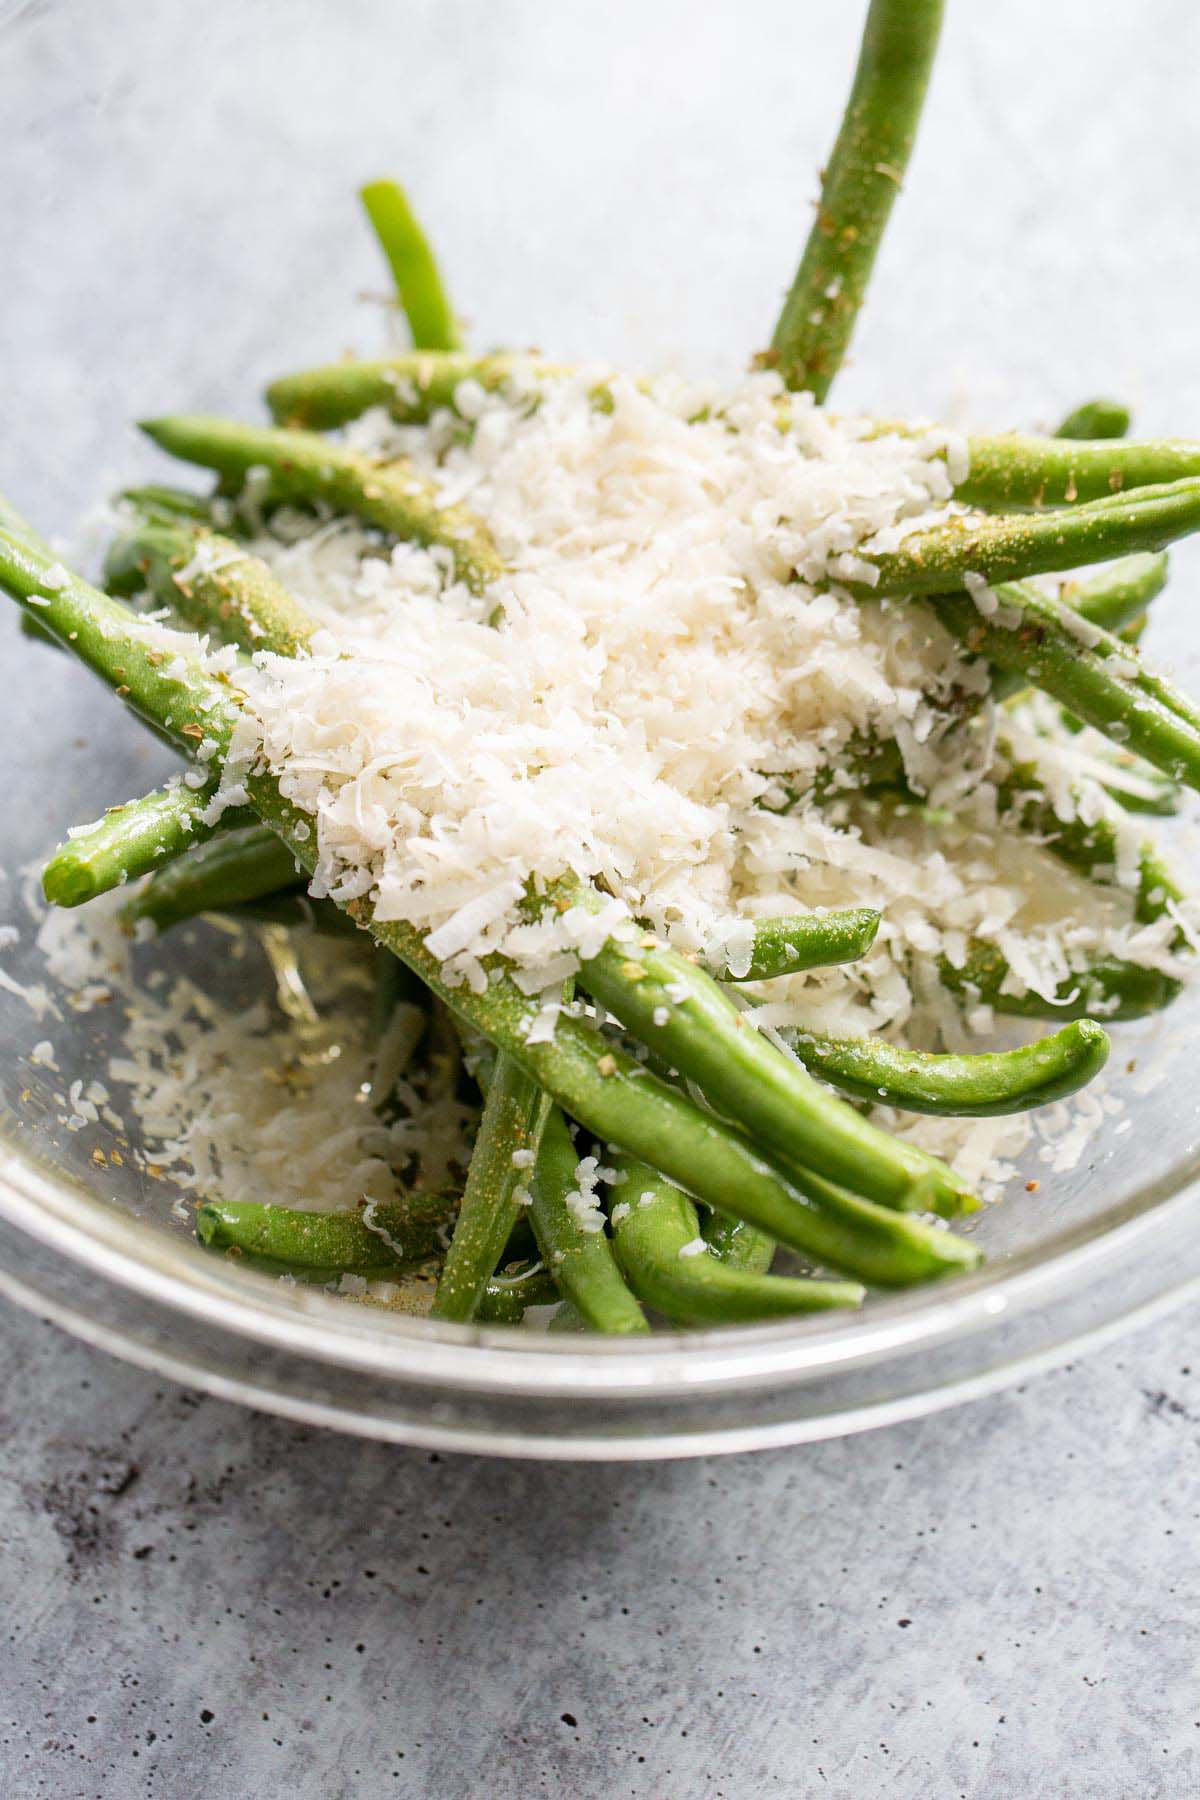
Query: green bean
point(1038, 637)
point(657, 1242)
point(1119, 594)
point(411, 386)
point(161, 504)
point(514, 1118)
point(858, 188)
point(226, 871)
point(512, 1290)
point(156, 672)
point(682, 1015)
point(620, 1102)
point(574, 1248)
point(1011, 546)
point(414, 269)
point(128, 840)
point(1089, 846)
point(379, 1242)
point(1096, 419)
point(211, 582)
point(1010, 469)
point(1116, 600)
point(1140, 789)
point(740, 1245)
point(611, 1094)
point(793, 942)
point(1106, 988)
point(968, 1087)
point(304, 466)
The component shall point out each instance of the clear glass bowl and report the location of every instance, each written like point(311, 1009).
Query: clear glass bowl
point(180, 218)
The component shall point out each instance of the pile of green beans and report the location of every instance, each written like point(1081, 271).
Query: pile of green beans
point(650, 1161)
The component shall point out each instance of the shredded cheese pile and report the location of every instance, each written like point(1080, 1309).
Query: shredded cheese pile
point(662, 695)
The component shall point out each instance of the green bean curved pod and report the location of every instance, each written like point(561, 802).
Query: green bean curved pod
point(609, 1092)
point(683, 1015)
point(235, 867)
point(794, 942)
point(858, 189)
point(132, 655)
point(966, 1087)
point(581, 1261)
point(740, 1245)
point(305, 466)
point(1119, 594)
point(1154, 794)
point(657, 1242)
point(414, 268)
point(143, 834)
point(1041, 640)
point(514, 1118)
point(157, 502)
point(412, 386)
point(1096, 419)
point(1010, 469)
point(511, 1291)
point(1008, 547)
point(1090, 847)
point(1109, 988)
point(1115, 600)
point(377, 1243)
point(212, 582)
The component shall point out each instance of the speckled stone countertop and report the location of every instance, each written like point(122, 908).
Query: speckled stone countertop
point(998, 1602)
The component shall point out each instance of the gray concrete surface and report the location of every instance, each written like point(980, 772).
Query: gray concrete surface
point(996, 1603)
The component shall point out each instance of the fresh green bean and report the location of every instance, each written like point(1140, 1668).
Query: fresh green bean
point(1120, 593)
point(968, 1087)
point(1038, 637)
point(513, 1120)
point(1096, 419)
point(740, 1245)
point(858, 188)
point(793, 942)
point(210, 581)
point(225, 872)
point(378, 1242)
point(1011, 546)
point(414, 269)
point(411, 386)
point(512, 1290)
point(1108, 988)
point(130, 839)
point(668, 1264)
point(572, 1241)
point(680, 1013)
point(162, 504)
point(1010, 469)
point(304, 466)
point(1087, 845)
point(611, 1094)
point(155, 671)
